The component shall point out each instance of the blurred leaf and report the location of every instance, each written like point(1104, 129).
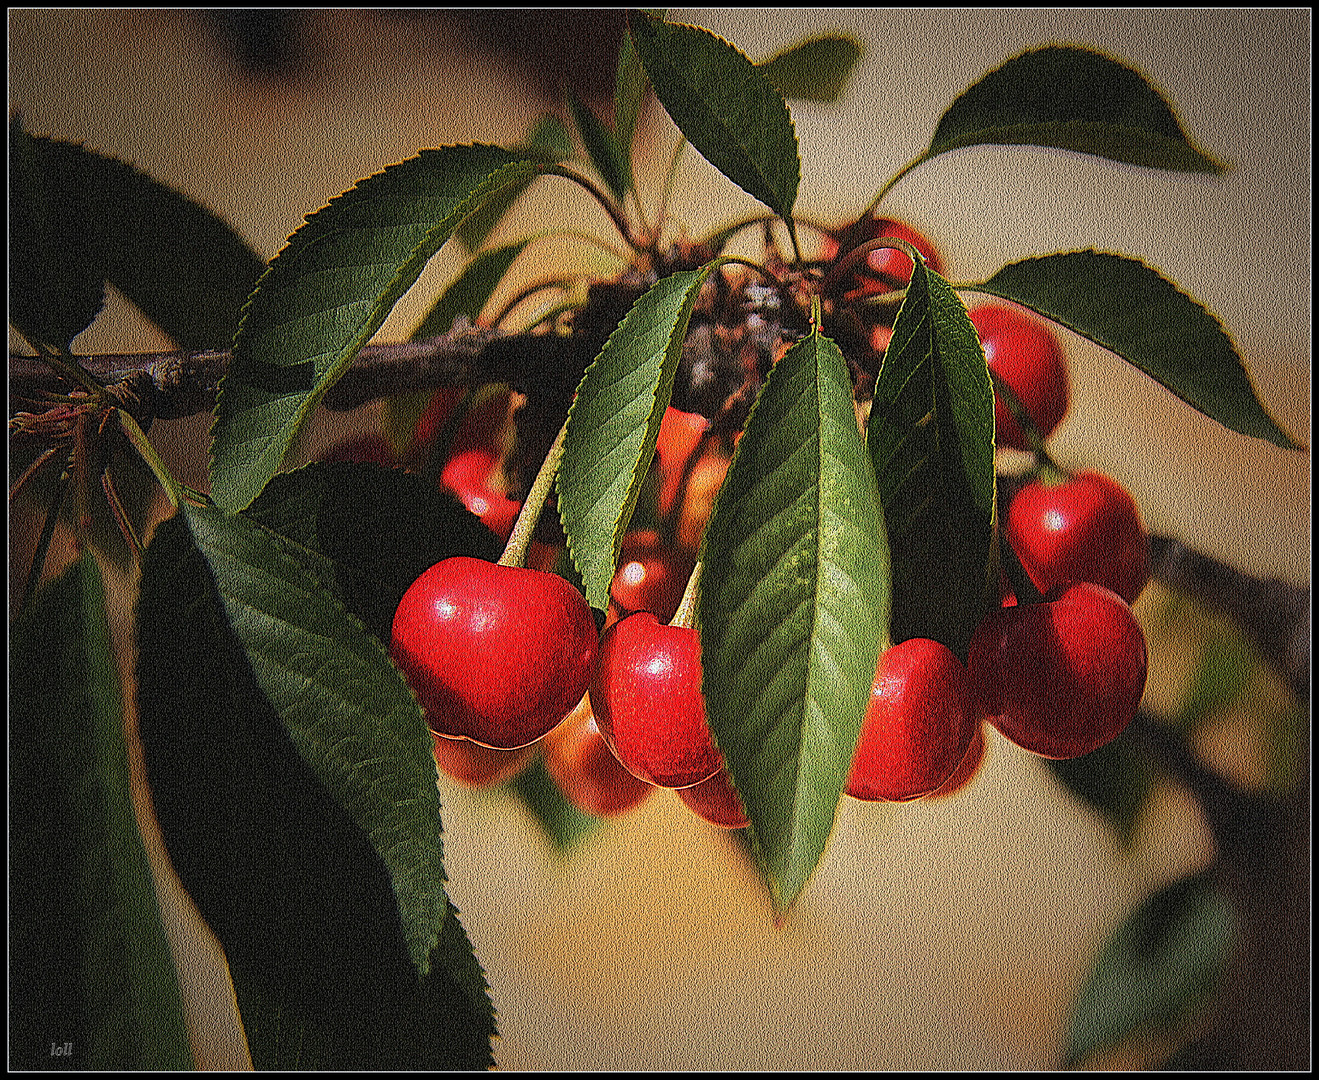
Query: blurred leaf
point(609, 159)
point(725, 107)
point(1114, 781)
point(328, 292)
point(614, 422)
point(817, 69)
point(563, 824)
point(1159, 969)
point(548, 141)
point(931, 438)
point(1127, 307)
point(1076, 99)
point(291, 772)
point(630, 86)
point(793, 609)
point(468, 294)
point(89, 962)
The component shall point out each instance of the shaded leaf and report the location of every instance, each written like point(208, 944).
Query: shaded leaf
point(549, 141)
point(1127, 307)
point(89, 962)
point(563, 824)
point(1157, 971)
point(931, 438)
point(1071, 98)
point(614, 422)
point(793, 609)
point(609, 159)
point(1114, 781)
point(630, 86)
point(725, 107)
point(292, 777)
point(328, 292)
point(817, 69)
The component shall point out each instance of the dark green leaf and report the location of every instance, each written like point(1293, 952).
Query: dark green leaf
point(931, 438)
point(563, 824)
point(817, 69)
point(89, 963)
point(794, 608)
point(613, 165)
point(1113, 781)
point(328, 292)
point(1071, 99)
point(292, 777)
point(548, 141)
point(724, 106)
point(613, 424)
point(56, 267)
point(630, 86)
point(1158, 970)
point(1127, 307)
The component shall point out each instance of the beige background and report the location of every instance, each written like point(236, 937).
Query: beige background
point(933, 936)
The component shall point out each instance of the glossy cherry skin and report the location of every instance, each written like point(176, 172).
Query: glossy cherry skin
point(884, 268)
point(919, 723)
point(1062, 677)
point(716, 801)
point(1023, 352)
point(647, 698)
point(1087, 528)
point(468, 475)
point(968, 770)
point(651, 575)
point(495, 654)
point(475, 765)
point(585, 770)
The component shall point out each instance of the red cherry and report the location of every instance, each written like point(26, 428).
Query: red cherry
point(647, 698)
point(651, 575)
point(475, 765)
point(368, 448)
point(467, 475)
point(967, 770)
point(1086, 528)
point(679, 434)
point(884, 268)
point(1062, 677)
point(919, 722)
point(495, 654)
point(435, 416)
point(707, 477)
point(717, 801)
point(583, 767)
point(1024, 353)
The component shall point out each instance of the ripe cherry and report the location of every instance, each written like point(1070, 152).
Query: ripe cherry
point(703, 484)
point(1024, 353)
point(919, 722)
point(679, 435)
point(647, 698)
point(468, 474)
point(475, 765)
point(1085, 528)
point(884, 268)
point(651, 575)
point(583, 767)
point(1062, 677)
point(968, 770)
point(496, 654)
point(717, 801)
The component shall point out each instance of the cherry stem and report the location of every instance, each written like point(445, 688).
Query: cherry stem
point(515, 553)
point(615, 214)
point(1048, 470)
point(685, 616)
point(843, 265)
point(147, 452)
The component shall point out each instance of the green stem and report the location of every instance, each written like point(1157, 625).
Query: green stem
point(148, 454)
point(615, 214)
point(515, 553)
point(893, 180)
point(685, 616)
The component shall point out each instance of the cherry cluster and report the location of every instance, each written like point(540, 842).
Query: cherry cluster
point(508, 662)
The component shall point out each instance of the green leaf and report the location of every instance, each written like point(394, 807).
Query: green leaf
point(609, 159)
point(614, 422)
point(563, 824)
point(1075, 99)
point(81, 219)
point(89, 963)
point(549, 141)
point(1114, 781)
point(468, 294)
point(931, 438)
point(724, 106)
point(1127, 307)
point(817, 69)
point(328, 292)
point(291, 772)
point(1158, 971)
point(793, 609)
point(630, 85)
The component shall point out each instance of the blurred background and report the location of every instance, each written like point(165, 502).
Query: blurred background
point(947, 935)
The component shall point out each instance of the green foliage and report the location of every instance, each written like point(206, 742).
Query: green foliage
point(613, 424)
point(1158, 970)
point(328, 292)
point(793, 609)
point(817, 69)
point(89, 963)
point(931, 438)
point(1125, 306)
